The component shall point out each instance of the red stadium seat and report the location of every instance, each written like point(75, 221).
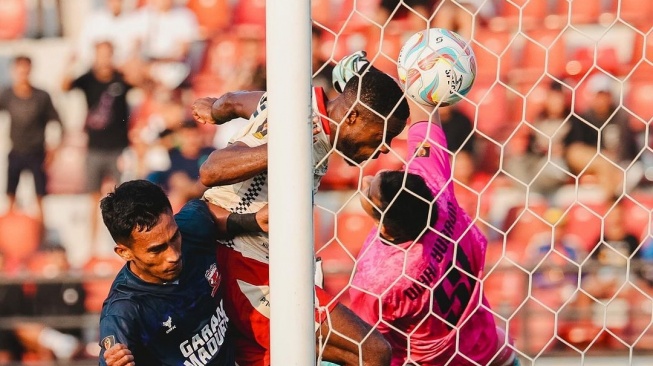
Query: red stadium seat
point(585, 223)
point(13, 19)
point(545, 53)
point(20, 237)
point(487, 104)
point(340, 175)
point(639, 101)
point(580, 12)
point(213, 16)
point(527, 13)
point(493, 52)
point(637, 13)
point(98, 289)
point(250, 15)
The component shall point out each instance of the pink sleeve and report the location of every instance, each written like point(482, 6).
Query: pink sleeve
point(428, 156)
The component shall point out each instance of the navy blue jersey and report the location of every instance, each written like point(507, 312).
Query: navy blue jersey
point(182, 323)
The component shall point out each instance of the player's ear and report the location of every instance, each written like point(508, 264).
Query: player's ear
point(352, 117)
point(123, 251)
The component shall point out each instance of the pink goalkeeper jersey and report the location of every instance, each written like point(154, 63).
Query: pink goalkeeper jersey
point(436, 312)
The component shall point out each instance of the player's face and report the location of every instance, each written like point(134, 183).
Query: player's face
point(155, 255)
point(371, 195)
point(361, 141)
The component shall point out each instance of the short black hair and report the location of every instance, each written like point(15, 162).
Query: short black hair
point(407, 203)
point(22, 58)
point(136, 204)
point(381, 93)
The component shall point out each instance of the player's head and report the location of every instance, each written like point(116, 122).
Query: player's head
point(376, 112)
point(139, 217)
point(21, 69)
point(401, 202)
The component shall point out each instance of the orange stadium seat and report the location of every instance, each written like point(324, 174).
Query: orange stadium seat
point(13, 19)
point(637, 13)
point(493, 52)
point(98, 289)
point(585, 223)
point(545, 53)
point(490, 100)
point(20, 237)
point(213, 16)
point(639, 100)
point(580, 12)
point(250, 15)
point(528, 13)
point(340, 175)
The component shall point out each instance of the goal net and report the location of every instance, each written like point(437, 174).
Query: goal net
point(551, 159)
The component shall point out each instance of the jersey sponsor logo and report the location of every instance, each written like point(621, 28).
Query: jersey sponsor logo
point(168, 324)
point(108, 342)
point(202, 347)
point(213, 276)
point(258, 296)
point(424, 150)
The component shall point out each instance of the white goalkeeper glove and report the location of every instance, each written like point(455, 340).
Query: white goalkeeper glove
point(348, 67)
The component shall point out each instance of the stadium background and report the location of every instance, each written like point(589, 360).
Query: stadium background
point(520, 45)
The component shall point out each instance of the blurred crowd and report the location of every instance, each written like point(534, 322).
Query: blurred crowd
point(551, 149)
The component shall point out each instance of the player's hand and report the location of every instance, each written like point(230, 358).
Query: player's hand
point(201, 110)
point(348, 67)
point(262, 219)
point(119, 355)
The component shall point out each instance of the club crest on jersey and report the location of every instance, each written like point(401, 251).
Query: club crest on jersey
point(213, 276)
point(108, 342)
point(424, 150)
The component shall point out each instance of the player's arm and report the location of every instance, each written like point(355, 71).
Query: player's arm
point(235, 163)
point(349, 338)
point(229, 224)
point(229, 106)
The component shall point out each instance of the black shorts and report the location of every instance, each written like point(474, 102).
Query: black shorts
point(19, 162)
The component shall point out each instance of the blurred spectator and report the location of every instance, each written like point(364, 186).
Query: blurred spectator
point(553, 260)
point(111, 23)
point(141, 157)
point(30, 109)
point(418, 13)
point(322, 68)
point(106, 122)
point(461, 16)
point(165, 34)
point(181, 180)
point(458, 129)
point(249, 72)
point(52, 299)
point(542, 166)
point(603, 124)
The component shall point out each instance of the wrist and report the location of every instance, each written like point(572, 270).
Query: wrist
point(242, 223)
point(214, 111)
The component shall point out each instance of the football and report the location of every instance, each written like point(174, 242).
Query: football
point(436, 67)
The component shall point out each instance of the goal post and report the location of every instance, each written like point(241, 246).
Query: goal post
point(290, 177)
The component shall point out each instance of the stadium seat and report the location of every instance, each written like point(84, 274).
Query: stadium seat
point(493, 52)
point(639, 101)
point(637, 13)
point(580, 12)
point(527, 13)
point(321, 13)
point(249, 15)
point(13, 19)
point(521, 226)
point(340, 175)
point(213, 16)
point(490, 100)
point(545, 53)
point(97, 289)
point(20, 237)
point(585, 223)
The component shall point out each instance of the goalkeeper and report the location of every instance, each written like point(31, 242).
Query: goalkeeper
point(428, 300)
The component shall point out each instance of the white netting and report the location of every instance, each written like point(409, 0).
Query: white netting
point(568, 265)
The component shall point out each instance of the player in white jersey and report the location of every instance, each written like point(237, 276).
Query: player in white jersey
point(351, 123)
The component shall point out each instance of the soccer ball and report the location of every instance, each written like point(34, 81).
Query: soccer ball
point(436, 67)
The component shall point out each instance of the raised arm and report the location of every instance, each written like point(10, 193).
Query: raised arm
point(235, 163)
point(229, 106)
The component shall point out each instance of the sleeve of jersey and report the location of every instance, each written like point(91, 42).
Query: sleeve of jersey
point(118, 329)
point(196, 225)
point(368, 307)
point(427, 154)
point(256, 131)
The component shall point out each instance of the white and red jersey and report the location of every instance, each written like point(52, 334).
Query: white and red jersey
point(252, 194)
point(245, 258)
point(427, 300)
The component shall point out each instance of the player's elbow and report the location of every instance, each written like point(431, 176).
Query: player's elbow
point(376, 350)
point(209, 175)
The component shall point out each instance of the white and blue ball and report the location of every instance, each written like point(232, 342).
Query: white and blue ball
point(436, 67)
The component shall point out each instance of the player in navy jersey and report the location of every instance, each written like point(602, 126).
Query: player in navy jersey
point(166, 304)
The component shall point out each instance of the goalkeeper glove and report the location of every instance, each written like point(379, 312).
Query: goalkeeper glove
point(350, 66)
